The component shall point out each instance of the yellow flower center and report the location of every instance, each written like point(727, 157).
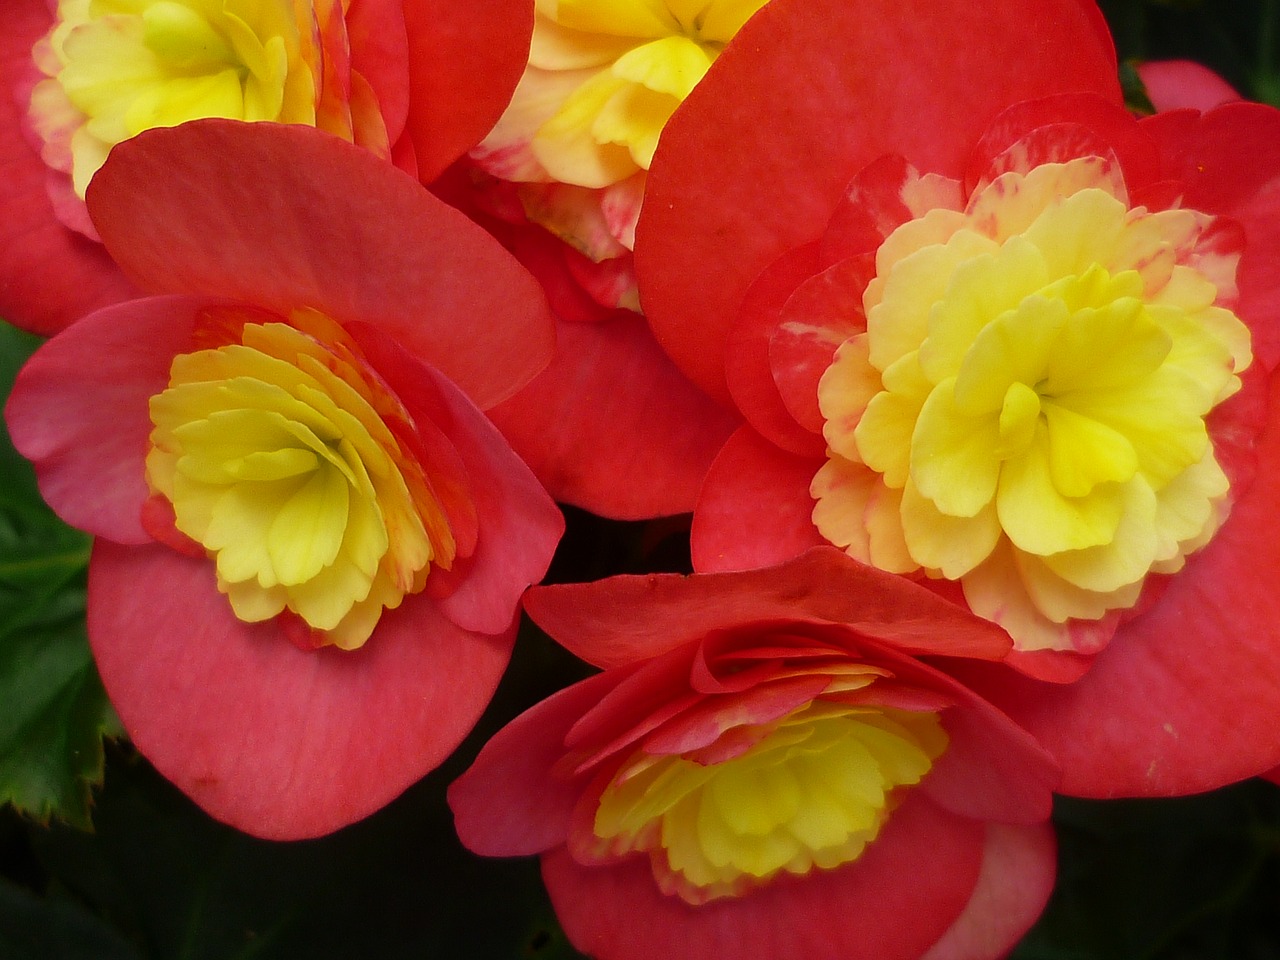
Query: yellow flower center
point(1026, 410)
point(118, 67)
point(811, 792)
point(279, 454)
point(618, 69)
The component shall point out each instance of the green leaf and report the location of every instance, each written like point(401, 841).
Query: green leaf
point(55, 711)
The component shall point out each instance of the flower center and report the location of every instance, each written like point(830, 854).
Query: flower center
point(279, 454)
point(118, 67)
point(811, 791)
point(629, 64)
point(1041, 365)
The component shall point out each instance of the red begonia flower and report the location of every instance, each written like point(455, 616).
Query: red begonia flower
point(292, 420)
point(1175, 84)
point(417, 82)
point(765, 767)
point(956, 311)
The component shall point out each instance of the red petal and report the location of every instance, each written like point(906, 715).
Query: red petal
point(1206, 151)
point(270, 214)
point(612, 427)
point(379, 52)
point(1175, 84)
point(509, 803)
point(519, 525)
point(1019, 866)
point(754, 161)
point(51, 275)
point(754, 509)
point(1130, 726)
point(276, 741)
point(464, 62)
point(890, 904)
point(79, 410)
point(627, 618)
point(747, 353)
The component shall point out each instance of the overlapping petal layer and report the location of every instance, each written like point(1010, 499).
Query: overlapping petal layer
point(746, 765)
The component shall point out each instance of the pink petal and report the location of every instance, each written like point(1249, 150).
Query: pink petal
point(464, 62)
point(292, 231)
point(599, 621)
point(79, 410)
point(754, 509)
point(611, 426)
point(1175, 84)
point(509, 802)
point(893, 902)
point(276, 741)
point(755, 160)
point(51, 275)
point(1019, 866)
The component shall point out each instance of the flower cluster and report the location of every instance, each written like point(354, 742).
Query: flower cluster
point(964, 370)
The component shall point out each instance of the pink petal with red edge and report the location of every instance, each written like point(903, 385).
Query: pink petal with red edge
point(740, 177)
point(754, 509)
point(1019, 866)
point(293, 230)
point(51, 275)
point(464, 62)
point(79, 410)
point(747, 353)
point(598, 621)
point(509, 803)
point(519, 525)
point(1129, 728)
point(1175, 84)
point(823, 313)
point(276, 741)
point(612, 426)
point(890, 904)
point(1205, 151)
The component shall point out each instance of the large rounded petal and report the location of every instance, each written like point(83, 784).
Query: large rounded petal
point(754, 509)
point(1198, 670)
point(302, 219)
point(49, 275)
point(1019, 866)
point(599, 623)
point(809, 92)
point(79, 410)
point(464, 62)
point(277, 741)
point(612, 426)
point(891, 903)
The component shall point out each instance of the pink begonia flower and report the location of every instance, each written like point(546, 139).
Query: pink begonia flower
point(1178, 84)
point(416, 82)
point(994, 333)
point(311, 544)
point(767, 767)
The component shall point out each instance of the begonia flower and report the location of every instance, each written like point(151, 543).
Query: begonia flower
point(416, 82)
point(602, 79)
point(994, 333)
point(311, 544)
point(766, 767)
